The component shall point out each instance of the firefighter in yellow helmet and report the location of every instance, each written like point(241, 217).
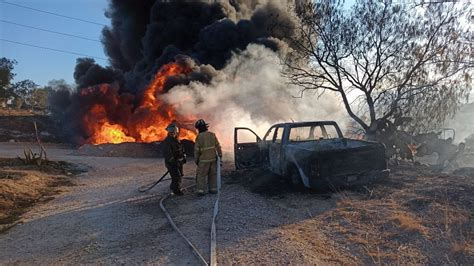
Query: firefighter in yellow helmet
point(206, 150)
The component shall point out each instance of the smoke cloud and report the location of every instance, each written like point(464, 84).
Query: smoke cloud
point(230, 50)
point(250, 92)
point(462, 123)
point(148, 34)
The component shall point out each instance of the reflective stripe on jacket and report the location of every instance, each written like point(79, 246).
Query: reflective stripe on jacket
point(206, 147)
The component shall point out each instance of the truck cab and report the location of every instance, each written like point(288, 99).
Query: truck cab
point(311, 153)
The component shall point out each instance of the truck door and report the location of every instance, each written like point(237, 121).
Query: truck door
point(247, 148)
point(275, 150)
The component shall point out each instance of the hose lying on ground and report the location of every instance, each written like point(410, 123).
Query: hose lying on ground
point(148, 187)
point(176, 228)
point(213, 260)
point(213, 249)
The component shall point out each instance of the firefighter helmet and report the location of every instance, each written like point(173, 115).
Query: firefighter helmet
point(200, 123)
point(172, 128)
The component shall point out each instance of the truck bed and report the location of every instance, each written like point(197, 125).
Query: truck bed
point(337, 157)
point(330, 144)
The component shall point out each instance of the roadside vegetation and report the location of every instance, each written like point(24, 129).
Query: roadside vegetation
point(25, 182)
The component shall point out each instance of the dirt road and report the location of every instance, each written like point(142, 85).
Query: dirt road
point(103, 219)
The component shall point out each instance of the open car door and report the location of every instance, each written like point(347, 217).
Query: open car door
point(247, 149)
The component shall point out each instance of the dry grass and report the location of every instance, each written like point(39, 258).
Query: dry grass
point(418, 217)
point(373, 227)
point(458, 248)
point(23, 185)
point(17, 112)
point(408, 222)
point(312, 238)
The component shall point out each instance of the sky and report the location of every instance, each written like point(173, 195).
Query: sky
point(42, 65)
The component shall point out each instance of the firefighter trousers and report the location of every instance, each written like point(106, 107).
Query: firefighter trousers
point(206, 177)
point(176, 172)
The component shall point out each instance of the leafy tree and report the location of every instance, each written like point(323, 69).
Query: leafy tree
point(22, 92)
point(26, 93)
point(6, 76)
point(391, 63)
point(38, 98)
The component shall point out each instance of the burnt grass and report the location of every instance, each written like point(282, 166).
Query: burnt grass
point(268, 184)
point(260, 181)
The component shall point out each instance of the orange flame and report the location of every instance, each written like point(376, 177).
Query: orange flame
point(111, 134)
point(147, 123)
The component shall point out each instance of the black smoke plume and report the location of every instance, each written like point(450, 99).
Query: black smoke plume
point(144, 35)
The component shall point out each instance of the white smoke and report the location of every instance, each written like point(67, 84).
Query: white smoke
point(251, 92)
point(462, 122)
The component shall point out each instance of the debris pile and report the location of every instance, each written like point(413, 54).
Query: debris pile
point(129, 149)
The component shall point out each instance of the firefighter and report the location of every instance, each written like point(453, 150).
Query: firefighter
point(175, 157)
point(206, 150)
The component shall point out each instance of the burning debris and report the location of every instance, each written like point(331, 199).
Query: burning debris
point(421, 147)
point(154, 46)
point(127, 118)
point(125, 149)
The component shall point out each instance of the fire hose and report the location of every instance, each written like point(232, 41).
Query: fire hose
point(213, 248)
point(215, 212)
point(148, 187)
point(176, 228)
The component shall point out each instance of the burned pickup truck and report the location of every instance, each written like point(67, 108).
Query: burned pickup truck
point(312, 154)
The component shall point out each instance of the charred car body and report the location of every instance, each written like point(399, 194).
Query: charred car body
point(313, 154)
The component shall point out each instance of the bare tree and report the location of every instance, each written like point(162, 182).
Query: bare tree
point(386, 61)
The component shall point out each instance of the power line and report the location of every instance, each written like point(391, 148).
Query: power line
point(51, 13)
point(56, 32)
point(52, 49)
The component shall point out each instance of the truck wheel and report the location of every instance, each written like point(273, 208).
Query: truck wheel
point(295, 179)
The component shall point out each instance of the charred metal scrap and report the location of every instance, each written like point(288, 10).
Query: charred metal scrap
point(313, 154)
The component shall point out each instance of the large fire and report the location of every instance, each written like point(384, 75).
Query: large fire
point(121, 120)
